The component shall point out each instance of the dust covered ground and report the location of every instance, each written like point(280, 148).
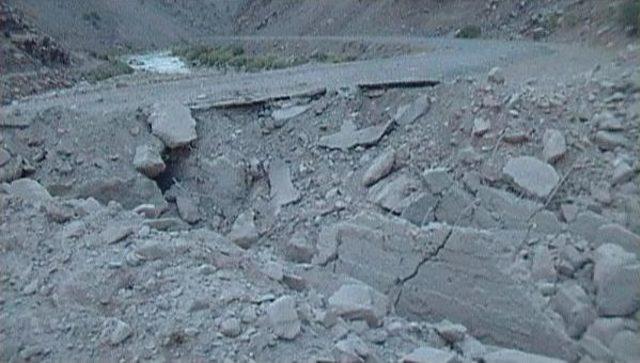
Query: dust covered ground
point(433, 200)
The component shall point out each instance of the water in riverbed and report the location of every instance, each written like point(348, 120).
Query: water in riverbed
point(159, 62)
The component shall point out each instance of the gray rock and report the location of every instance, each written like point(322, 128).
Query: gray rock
point(429, 355)
point(284, 114)
point(148, 161)
point(274, 270)
point(617, 278)
point(607, 140)
point(283, 191)
point(626, 346)
point(555, 146)
point(569, 212)
point(130, 192)
point(586, 225)
point(595, 349)
point(496, 75)
point(409, 114)
point(394, 195)
point(348, 137)
point(622, 173)
point(452, 333)
point(573, 304)
point(359, 302)
point(188, 209)
point(618, 235)
point(327, 246)
point(380, 168)
point(229, 180)
point(173, 124)
point(299, 249)
point(516, 356)
point(605, 329)
point(4, 157)
point(437, 180)
point(114, 233)
point(231, 327)
point(531, 175)
point(480, 127)
point(283, 318)
point(351, 350)
point(29, 189)
point(115, 331)
point(608, 122)
point(244, 232)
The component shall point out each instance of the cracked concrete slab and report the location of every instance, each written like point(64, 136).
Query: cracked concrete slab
point(460, 274)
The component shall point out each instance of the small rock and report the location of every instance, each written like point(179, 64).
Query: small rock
point(188, 209)
point(410, 113)
point(625, 346)
point(244, 232)
point(429, 355)
point(618, 235)
point(115, 233)
point(284, 114)
point(299, 249)
point(606, 121)
point(115, 331)
point(607, 140)
point(573, 304)
point(622, 173)
point(437, 180)
point(380, 168)
point(283, 318)
point(359, 301)
point(4, 157)
point(555, 146)
point(148, 161)
point(496, 75)
point(532, 175)
point(617, 278)
point(351, 350)
point(451, 332)
point(480, 127)
point(569, 212)
point(348, 137)
point(29, 189)
point(274, 270)
point(230, 327)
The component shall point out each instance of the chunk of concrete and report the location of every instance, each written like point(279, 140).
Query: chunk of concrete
point(283, 318)
point(359, 302)
point(283, 191)
point(284, 114)
point(173, 124)
point(394, 195)
point(617, 278)
point(348, 137)
point(437, 180)
point(531, 175)
point(414, 111)
point(379, 168)
point(460, 274)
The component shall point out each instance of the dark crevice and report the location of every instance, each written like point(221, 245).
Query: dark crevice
point(172, 159)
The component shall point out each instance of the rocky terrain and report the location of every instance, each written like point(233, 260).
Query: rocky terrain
point(473, 201)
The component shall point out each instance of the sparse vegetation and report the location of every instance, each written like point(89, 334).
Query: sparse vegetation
point(630, 15)
point(113, 67)
point(469, 32)
point(235, 57)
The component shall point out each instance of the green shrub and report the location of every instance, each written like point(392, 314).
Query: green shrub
point(630, 15)
point(469, 32)
point(113, 68)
